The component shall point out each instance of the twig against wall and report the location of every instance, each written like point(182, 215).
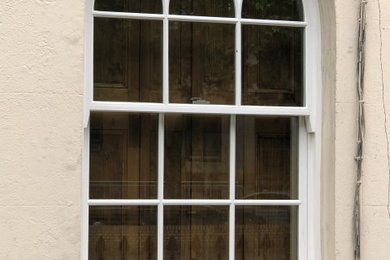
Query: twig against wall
point(360, 128)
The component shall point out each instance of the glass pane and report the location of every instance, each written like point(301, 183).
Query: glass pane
point(196, 232)
point(266, 158)
point(202, 7)
point(272, 66)
point(201, 63)
point(133, 6)
point(196, 157)
point(266, 232)
point(123, 156)
point(122, 232)
point(127, 60)
point(273, 9)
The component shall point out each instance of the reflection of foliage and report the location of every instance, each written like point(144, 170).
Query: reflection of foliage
point(270, 38)
point(272, 60)
point(143, 6)
point(277, 9)
point(202, 7)
point(261, 5)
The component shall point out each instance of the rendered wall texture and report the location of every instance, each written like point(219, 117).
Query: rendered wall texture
point(41, 88)
point(375, 187)
point(375, 218)
point(340, 128)
point(328, 35)
point(347, 16)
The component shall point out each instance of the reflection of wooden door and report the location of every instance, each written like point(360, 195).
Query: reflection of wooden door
point(196, 167)
point(123, 156)
point(131, 233)
point(108, 163)
point(127, 63)
point(123, 160)
point(196, 157)
point(266, 158)
point(201, 55)
point(110, 60)
point(272, 166)
point(201, 63)
point(207, 157)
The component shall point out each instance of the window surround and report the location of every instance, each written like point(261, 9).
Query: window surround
point(309, 241)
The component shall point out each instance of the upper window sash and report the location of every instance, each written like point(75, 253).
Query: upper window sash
point(304, 110)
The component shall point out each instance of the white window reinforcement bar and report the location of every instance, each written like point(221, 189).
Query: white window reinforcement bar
point(194, 109)
point(201, 19)
point(191, 202)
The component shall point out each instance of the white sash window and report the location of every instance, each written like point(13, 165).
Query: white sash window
point(201, 130)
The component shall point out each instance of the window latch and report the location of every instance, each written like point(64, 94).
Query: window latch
point(199, 100)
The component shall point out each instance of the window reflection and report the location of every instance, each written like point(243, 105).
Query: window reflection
point(273, 9)
point(272, 63)
point(202, 7)
point(196, 154)
point(127, 60)
point(266, 232)
point(266, 158)
point(122, 232)
point(196, 232)
point(134, 6)
point(201, 63)
point(123, 156)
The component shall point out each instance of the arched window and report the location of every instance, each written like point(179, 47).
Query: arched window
point(201, 129)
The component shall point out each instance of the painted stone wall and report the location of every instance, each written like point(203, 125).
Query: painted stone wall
point(347, 15)
point(375, 187)
point(340, 126)
point(41, 86)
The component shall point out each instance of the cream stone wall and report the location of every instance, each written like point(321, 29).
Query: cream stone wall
point(347, 16)
point(41, 94)
point(328, 35)
point(338, 187)
point(375, 187)
point(41, 86)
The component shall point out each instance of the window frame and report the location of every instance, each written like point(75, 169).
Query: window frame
point(309, 123)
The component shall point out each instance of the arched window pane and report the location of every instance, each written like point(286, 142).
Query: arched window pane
point(273, 9)
point(133, 6)
point(203, 7)
point(272, 62)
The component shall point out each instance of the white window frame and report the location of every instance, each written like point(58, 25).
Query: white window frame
point(309, 125)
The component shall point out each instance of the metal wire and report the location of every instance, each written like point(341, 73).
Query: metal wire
point(360, 128)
